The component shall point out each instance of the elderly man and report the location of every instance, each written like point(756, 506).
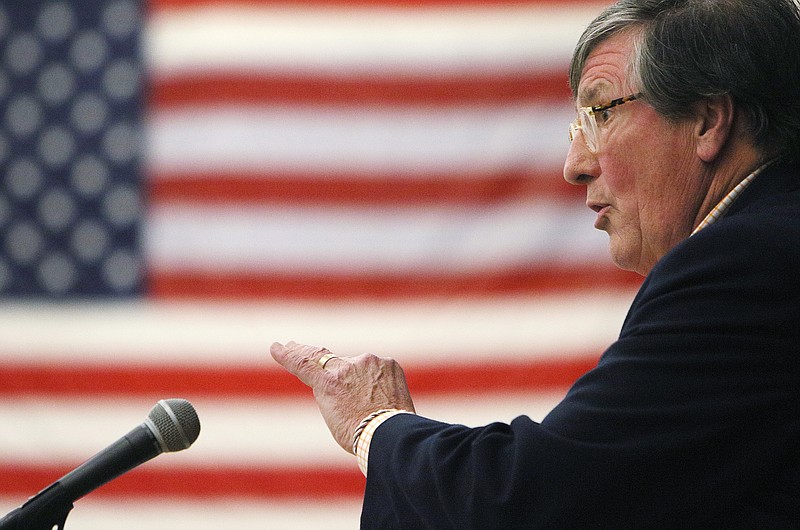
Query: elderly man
point(687, 141)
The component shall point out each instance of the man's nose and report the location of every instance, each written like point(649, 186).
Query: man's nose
point(580, 166)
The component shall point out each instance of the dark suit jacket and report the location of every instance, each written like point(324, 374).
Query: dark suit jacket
point(690, 420)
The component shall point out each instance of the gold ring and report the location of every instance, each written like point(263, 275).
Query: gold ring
point(325, 358)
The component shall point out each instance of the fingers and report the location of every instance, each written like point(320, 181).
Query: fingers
point(306, 362)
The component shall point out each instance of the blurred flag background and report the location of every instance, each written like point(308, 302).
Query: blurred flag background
point(183, 182)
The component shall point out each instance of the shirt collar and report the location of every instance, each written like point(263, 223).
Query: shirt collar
point(719, 210)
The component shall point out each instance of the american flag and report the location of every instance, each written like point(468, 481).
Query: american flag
point(184, 182)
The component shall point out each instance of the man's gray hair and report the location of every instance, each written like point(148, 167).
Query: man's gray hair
point(689, 50)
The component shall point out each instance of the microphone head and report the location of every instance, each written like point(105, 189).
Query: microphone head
point(174, 423)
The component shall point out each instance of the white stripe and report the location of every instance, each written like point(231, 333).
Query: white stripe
point(98, 513)
point(234, 433)
point(344, 40)
point(420, 331)
point(325, 139)
point(318, 240)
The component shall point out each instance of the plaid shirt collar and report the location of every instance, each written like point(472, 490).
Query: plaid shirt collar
point(719, 210)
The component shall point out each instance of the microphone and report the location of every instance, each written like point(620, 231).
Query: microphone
point(172, 425)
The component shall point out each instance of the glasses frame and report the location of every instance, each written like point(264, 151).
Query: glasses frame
point(586, 122)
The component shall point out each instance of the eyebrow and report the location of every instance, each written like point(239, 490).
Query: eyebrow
point(593, 93)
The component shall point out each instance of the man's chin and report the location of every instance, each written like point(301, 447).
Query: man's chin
point(622, 256)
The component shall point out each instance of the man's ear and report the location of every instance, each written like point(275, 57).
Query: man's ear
point(714, 125)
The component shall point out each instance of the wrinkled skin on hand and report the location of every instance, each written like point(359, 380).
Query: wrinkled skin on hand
point(348, 389)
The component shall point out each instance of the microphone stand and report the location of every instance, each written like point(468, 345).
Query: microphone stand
point(47, 510)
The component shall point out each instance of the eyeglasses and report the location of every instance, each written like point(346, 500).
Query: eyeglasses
point(586, 121)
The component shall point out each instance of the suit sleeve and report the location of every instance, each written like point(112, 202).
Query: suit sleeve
point(686, 418)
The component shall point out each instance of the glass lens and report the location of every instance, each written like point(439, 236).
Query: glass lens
point(573, 130)
point(588, 127)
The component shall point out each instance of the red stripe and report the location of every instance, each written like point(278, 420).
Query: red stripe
point(269, 381)
point(159, 5)
point(213, 285)
point(232, 88)
point(339, 189)
point(203, 483)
